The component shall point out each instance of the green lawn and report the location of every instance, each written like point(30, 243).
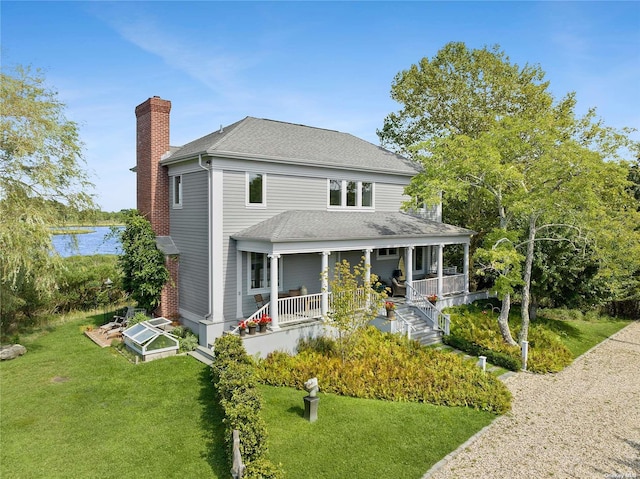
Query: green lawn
point(363, 438)
point(71, 409)
point(580, 335)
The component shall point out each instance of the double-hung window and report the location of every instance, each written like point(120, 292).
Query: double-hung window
point(256, 190)
point(350, 194)
point(259, 270)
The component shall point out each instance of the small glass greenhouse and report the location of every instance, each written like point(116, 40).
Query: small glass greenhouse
point(150, 341)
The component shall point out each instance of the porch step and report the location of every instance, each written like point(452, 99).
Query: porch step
point(202, 354)
point(422, 331)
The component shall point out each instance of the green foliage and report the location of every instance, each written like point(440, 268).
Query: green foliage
point(40, 161)
point(235, 381)
point(137, 318)
point(263, 469)
point(81, 283)
point(565, 274)
point(142, 263)
point(488, 130)
point(500, 258)
point(502, 359)
point(386, 366)
point(188, 340)
point(355, 302)
point(474, 329)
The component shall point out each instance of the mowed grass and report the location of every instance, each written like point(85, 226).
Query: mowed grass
point(581, 335)
point(71, 409)
point(363, 438)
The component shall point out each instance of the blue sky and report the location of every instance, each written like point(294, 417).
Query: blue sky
point(325, 64)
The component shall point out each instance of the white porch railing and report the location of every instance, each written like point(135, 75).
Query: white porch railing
point(438, 319)
point(445, 270)
point(406, 328)
point(300, 308)
point(450, 284)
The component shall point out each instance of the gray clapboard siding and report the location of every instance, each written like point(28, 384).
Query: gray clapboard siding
point(189, 230)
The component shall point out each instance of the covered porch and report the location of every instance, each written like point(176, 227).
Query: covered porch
point(290, 241)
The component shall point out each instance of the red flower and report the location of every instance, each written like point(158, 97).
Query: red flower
point(264, 319)
point(242, 325)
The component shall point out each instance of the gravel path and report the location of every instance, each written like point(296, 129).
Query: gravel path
point(583, 422)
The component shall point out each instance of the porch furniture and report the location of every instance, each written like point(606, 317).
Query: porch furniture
point(398, 288)
point(260, 301)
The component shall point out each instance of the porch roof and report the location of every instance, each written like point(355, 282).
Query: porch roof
point(335, 226)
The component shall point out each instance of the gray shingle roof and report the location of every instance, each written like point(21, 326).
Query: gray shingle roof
point(336, 225)
point(292, 143)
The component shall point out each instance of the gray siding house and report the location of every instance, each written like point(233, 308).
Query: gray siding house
point(263, 207)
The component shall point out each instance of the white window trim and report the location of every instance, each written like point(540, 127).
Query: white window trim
point(383, 257)
point(264, 190)
point(176, 204)
point(266, 289)
point(343, 196)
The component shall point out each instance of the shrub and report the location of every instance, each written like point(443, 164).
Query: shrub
point(387, 366)
point(235, 381)
point(474, 329)
point(188, 342)
point(81, 283)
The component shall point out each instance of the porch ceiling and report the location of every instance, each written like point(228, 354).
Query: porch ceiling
point(338, 227)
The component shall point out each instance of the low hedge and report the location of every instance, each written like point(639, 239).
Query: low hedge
point(474, 329)
point(235, 381)
point(387, 366)
point(497, 358)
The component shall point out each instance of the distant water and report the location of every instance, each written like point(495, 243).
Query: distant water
point(97, 242)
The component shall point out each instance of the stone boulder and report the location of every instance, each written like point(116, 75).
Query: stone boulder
point(11, 352)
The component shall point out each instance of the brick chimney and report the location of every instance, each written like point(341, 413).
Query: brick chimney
point(152, 179)
point(152, 142)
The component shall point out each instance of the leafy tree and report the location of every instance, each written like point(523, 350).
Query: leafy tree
point(486, 129)
point(142, 263)
point(355, 302)
point(41, 165)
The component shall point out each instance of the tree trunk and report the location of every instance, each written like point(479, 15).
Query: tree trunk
point(526, 289)
point(503, 320)
point(533, 308)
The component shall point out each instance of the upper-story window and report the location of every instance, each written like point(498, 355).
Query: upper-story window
point(177, 191)
point(256, 189)
point(350, 194)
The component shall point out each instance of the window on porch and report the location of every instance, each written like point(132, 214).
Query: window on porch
point(259, 270)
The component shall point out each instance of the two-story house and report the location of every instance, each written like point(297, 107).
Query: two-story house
point(260, 208)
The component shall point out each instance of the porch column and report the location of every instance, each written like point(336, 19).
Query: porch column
point(367, 273)
point(367, 265)
point(465, 268)
point(440, 261)
point(408, 266)
point(325, 282)
point(273, 309)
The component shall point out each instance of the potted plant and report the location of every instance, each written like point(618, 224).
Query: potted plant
point(252, 325)
point(432, 298)
point(242, 328)
point(262, 323)
point(390, 306)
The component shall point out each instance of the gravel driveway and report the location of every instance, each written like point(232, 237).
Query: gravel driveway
point(583, 422)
